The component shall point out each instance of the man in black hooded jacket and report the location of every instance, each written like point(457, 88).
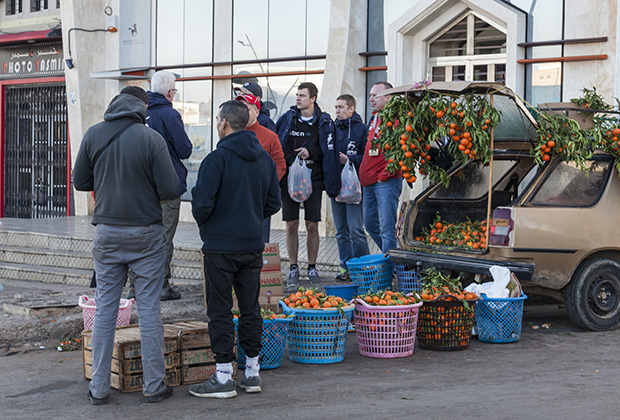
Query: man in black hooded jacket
point(236, 189)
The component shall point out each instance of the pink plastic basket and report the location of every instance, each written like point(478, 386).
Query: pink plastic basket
point(386, 331)
point(88, 311)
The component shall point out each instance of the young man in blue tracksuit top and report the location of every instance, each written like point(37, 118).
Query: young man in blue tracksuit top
point(307, 132)
point(351, 137)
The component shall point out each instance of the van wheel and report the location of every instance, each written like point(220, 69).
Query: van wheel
point(593, 295)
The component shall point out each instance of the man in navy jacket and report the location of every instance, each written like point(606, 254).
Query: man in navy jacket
point(351, 137)
point(166, 120)
point(307, 132)
point(237, 188)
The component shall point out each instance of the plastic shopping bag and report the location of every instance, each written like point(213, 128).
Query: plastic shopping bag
point(351, 189)
point(299, 181)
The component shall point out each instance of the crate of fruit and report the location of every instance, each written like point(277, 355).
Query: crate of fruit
point(446, 319)
point(318, 332)
point(385, 324)
point(273, 342)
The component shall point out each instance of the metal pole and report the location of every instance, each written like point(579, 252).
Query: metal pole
point(490, 188)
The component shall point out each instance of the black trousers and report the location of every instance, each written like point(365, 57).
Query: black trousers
point(222, 273)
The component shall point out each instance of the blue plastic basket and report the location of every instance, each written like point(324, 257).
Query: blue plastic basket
point(317, 336)
point(409, 280)
point(371, 273)
point(499, 320)
point(273, 343)
point(345, 291)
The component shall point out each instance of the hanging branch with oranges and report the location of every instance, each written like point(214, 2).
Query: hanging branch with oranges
point(456, 125)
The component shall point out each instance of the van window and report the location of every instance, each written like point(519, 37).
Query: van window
point(567, 185)
point(473, 180)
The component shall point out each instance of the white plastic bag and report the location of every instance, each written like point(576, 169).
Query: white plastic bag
point(351, 189)
point(494, 289)
point(299, 181)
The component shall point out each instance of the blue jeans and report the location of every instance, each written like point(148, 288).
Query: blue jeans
point(350, 235)
point(380, 209)
point(115, 250)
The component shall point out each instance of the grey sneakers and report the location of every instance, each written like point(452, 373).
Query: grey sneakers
point(251, 384)
point(293, 277)
point(343, 275)
point(313, 276)
point(212, 388)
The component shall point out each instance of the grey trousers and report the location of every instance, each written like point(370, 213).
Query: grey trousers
point(170, 213)
point(170, 210)
point(115, 250)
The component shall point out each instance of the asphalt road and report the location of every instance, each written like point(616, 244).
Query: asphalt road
point(556, 373)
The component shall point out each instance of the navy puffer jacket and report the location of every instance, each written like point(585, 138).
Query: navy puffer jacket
point(166, 120)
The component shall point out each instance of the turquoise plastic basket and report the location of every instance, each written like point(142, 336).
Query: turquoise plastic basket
point(371, 273)
point(409, 279)
point(317, 336)
point(499, 320)
point(273, 343)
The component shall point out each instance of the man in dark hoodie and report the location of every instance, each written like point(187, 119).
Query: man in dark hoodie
point(128, 167)
point(236, 189)
point(166, 120)
point(307, 132)
point(351, 135)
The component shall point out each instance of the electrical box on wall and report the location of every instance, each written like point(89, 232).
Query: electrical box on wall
point(134, 28)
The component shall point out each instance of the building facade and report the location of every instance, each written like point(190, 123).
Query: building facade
point(546, 51)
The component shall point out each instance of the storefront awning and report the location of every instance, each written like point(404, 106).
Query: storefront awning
point(29, 36)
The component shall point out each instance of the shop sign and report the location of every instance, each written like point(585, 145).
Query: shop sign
point(35, 60)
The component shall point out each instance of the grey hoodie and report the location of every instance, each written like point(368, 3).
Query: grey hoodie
point(133, 174)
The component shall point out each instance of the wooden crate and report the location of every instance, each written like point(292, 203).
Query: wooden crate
point(126, 359)
point(132, 366)
point(133, 383)
point(199, 373)
point(127, 342)
point(190, 334)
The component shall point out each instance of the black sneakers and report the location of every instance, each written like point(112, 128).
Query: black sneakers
point(167, 392)
point(96, 401)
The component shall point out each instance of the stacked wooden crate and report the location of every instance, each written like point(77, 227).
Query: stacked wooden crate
point(196, 356)
point(126, 358)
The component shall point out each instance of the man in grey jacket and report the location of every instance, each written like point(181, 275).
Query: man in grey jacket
point(128, 167)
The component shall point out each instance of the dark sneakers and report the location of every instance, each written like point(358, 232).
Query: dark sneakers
point(251, 384)
point(212, 388)
point(343, 275)
point(167, 392)
point(96, 401)
point(169, 294)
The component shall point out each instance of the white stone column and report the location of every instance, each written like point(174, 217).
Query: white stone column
point(87, 98)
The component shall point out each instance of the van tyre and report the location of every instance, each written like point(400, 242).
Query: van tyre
point(593, 295)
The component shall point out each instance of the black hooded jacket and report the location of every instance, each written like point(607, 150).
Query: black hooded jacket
point(133, 174)
point(237, 188)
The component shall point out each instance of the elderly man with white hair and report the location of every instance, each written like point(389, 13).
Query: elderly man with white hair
point(166, 120)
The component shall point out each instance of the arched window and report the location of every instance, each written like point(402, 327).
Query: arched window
point(470, 49)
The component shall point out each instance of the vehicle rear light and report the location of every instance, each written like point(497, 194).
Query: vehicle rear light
point(501, 227)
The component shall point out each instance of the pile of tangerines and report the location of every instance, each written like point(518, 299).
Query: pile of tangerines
point(468, 234)
point(312, 299)
point(388, 298)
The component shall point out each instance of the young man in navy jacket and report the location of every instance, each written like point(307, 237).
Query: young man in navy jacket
point(307, 132)
point(351, 137)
